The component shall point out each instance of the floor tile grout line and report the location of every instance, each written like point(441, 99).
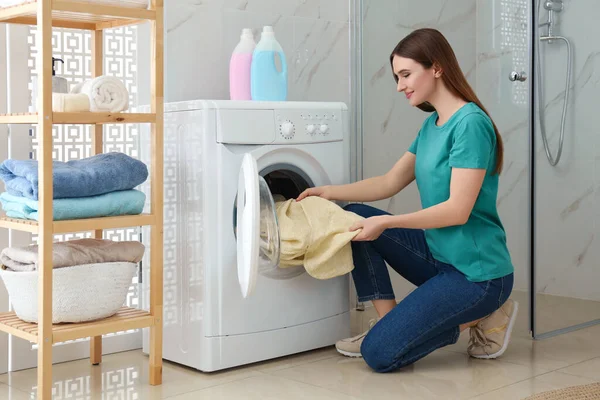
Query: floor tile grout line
point(512, 384)
point(302, 364)
point(524, 365)
point(533, 377)
point(577, 363)
point(546, 370)
point(266, 375)
point(13, 388)
point(216, 385)
point(322, 387)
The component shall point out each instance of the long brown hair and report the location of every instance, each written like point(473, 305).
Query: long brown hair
point(429, 47)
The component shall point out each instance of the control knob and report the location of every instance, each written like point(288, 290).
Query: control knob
point(287, 130)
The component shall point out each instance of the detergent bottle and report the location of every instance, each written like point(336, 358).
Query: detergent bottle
point(267, 83)
point(239, 67)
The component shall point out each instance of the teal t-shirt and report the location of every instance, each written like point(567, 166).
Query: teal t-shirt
point(467, 140)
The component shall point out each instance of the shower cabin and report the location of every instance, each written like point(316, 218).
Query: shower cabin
point(534, 64)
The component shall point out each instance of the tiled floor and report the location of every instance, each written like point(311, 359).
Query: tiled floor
point(527, 367)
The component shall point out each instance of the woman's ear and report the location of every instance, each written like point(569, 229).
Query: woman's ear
point(437, 70)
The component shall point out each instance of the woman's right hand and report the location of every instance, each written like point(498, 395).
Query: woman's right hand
point(323, 192)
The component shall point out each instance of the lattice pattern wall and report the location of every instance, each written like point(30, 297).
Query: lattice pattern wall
point(74, 141)
point(513, 33)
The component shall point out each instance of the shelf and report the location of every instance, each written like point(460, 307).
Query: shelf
point(125, 319)
point(80, 225)
point(81, 118)
point(78, 15)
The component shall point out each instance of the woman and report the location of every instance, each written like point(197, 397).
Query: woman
point(454, 249)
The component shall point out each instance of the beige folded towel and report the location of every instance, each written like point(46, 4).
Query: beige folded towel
point(69, 102)
point(73, 252)
point(315, 233)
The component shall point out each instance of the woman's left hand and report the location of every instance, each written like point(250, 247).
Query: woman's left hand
point(371, 227)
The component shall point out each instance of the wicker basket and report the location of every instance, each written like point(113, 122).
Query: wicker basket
point(79, 294)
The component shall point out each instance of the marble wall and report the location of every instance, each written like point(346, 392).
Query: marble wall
point(314, 35)
point(390, 124)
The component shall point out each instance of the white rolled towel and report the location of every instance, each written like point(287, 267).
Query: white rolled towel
point(106, 93)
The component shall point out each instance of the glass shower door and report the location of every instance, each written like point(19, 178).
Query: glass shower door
point(566, 270)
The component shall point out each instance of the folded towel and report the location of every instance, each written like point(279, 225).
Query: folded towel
point(125, 202)
point(69, 102)
point(91, 176)
point(106, 93)
point(72, 253)
point(120, 3)
point(315, 233)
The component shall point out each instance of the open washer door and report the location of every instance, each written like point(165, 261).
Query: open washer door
point(257, 227)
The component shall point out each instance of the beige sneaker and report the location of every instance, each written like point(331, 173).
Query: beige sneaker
point(351, 347)
point(490, 337)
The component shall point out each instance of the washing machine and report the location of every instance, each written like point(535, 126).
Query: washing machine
point(227, 302)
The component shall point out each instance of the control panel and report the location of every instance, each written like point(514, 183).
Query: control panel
point(287, 123)
point(308, 126)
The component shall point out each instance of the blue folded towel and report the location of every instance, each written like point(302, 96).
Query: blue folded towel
point(103, 173)
point(125, 202)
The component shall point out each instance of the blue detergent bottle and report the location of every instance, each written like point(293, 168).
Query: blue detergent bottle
point(267, 82)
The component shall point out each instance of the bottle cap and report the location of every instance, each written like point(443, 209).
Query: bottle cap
point(247, 33)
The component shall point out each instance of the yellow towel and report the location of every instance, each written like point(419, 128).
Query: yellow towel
point(315, 233)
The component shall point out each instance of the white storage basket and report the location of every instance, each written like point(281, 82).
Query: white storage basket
point(80, 293)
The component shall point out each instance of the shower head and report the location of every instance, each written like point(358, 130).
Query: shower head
point(554, 5)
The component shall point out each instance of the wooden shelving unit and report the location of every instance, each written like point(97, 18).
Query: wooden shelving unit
point(96, 17)
point(81, 118)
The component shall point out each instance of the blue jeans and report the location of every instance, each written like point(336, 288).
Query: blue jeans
point(429, 317)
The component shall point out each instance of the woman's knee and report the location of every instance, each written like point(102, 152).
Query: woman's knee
point(376, 354)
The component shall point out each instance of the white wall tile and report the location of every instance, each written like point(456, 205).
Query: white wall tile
point(201, 36)
point(320, 60)
point(334, 10)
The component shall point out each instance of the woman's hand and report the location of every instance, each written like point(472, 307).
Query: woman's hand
point(372, 228)
point(323, 192)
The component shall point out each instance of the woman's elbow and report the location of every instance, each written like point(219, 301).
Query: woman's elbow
point(462, 218)
point(460, 214)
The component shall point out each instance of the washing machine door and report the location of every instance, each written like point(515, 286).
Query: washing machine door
point(257, 229)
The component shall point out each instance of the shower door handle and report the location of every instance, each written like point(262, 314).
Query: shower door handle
point(517, 76)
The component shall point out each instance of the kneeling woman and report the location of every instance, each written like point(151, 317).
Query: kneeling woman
point(454, 249)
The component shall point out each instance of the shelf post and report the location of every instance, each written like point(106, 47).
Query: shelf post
point(45, 191)
point(156, 183)
point(97, 42)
